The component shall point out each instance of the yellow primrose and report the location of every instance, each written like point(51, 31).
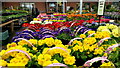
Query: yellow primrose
point(11, 45)
point(116, 32)
point(76, 47)
point(35, 19)
point(46, 63)
point(23, 42)
point(65, 54)
point(2, 52)
point(86, 47)
point(61, 45)
point(98, 51)
point(107, 30)
point(33, 41)
point(79, 43)
point(74, 42)
point(101, 28)
point(91, 32)
point(57, 42)
point(82, 36)
point(92, 48)
point(81, 49)
point(45, 50)
point(13, 54)
point(46, 57)
point(3, 63)
point(55, 61)
point(69, 60)
point(14, 60)
point(25, 61)
point(106, 64)
point(105, 54)
point(41, 42)
point(34, 48)
point(5, 56)
point(16, 64)
point(111, 26)
point(49, 41)
point(89, 40)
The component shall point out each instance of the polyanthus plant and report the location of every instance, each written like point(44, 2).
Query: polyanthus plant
point(34, 45)
point(90, 44)
point(15, 56)
point(114, 30)
point(56, 55)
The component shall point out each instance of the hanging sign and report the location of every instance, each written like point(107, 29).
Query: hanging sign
point(101, 7)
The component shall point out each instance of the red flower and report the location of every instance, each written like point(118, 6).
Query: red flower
point(25, 24)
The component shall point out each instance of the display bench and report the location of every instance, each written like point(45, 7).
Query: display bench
point(4, 34)
point(11, 22)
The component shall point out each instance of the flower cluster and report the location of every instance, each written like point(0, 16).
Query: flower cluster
point(15, 56)
point(112, 29)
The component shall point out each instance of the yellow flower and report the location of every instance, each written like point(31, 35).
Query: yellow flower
point(105, 54)
point(106, 64)
point(14, 60)
point(65, 54)
point(86, 47)
point(3, 63)
point(106, 30)
point(79, 43)
point(46, 57)
point(57, 42)
point(11, 45)
point(82, 36)
point(81, 49)
point(46, 63)
point(34, 48)
point(25, 61)
point(33, 41)
point(89, 41)
point(45, 50)
point(49, 41)
point(61, 45)
point(69, 60)
point(55, 61)
point(92, 48)
point(2, 52)
point(76, 47)
point(101, 28)
point(91, 32)
point(116, 32)
point(16, 64)
point(111, 26)
point(5, 56)
point(13, 54)
point(35, 19)
point(40, 42)
point(98, 51)
point(23, 42)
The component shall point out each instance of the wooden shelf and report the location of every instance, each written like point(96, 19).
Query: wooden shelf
point(12, 21)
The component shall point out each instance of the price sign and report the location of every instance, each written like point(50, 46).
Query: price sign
point(101, 7)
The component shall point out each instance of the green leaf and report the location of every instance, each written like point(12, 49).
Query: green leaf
point(38, 53)
point(90, 55)
point(84, 57)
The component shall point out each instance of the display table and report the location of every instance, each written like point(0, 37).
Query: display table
point(10, 22)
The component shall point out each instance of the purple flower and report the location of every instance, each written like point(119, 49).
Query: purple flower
point(47, 36)
point(15, 37)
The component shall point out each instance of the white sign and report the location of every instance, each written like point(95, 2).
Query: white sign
point(101, 7)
